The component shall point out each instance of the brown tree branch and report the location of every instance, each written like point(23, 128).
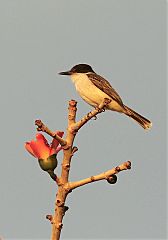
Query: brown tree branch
point(76, 126)
point(101, 176)
point(64, 186)
point(43, 128)
point(68, 152)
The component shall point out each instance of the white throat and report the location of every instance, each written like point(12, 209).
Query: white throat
point(78, 77)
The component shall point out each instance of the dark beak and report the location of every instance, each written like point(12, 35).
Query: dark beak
point(65, 73)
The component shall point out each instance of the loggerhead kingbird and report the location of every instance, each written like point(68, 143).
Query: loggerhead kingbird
point(93, 89)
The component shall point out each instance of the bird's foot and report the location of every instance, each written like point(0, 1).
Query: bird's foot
point(99, 110)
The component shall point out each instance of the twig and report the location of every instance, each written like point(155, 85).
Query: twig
point(101, 108)
point(101, 176)
point(42, 127)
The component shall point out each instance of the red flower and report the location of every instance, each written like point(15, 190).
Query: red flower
point(40, 148)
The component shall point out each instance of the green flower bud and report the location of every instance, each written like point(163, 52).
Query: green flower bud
point(48, 164)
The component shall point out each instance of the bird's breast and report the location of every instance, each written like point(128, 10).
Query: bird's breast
point(82, 83)
point(90, 93)
point(87, 90)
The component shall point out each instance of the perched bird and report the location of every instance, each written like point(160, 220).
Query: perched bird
point(93, 89)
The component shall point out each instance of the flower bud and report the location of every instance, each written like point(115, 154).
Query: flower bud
point(48, 164)
point(112, 179)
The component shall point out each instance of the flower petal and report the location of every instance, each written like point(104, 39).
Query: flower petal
point(55, 143)
point(35, 148)
point(55, 151)
point(41, 138)
point(59, 148)
point(40, 147)
point(29, 149)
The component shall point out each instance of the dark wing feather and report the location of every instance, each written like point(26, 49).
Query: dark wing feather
point(105, 86)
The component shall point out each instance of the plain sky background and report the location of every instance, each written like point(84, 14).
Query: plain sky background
point(123, 40)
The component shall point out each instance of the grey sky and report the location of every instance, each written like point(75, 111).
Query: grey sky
point(124, 40)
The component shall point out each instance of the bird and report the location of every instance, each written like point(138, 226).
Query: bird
point(93, 89)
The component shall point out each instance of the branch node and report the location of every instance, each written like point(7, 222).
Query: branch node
point(92, 178)
point(72, 109)
point(59, 182)
point(66, 208)
point(117, 169)
point(72, 103)
point(67, 188)
point(128, 163)
point(50, 218)
point(66, 166)
point(66, 147)
point(70, 117)
point(59, 226)
point(73, 128)
point(88, 115)
point(99, 110)
point(40, 125)
point(74, 149)
point(59, 203)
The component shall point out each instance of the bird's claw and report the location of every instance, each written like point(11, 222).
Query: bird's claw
point(100, 110)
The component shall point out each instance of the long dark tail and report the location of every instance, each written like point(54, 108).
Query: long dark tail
point(145, 123)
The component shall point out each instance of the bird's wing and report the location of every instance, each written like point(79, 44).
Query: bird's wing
point(105, 86)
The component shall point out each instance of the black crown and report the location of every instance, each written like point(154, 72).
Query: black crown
point(82, 68)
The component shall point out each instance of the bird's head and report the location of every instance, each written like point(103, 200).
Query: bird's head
point(79, 68)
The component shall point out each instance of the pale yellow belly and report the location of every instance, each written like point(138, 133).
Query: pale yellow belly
point(91, 94)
